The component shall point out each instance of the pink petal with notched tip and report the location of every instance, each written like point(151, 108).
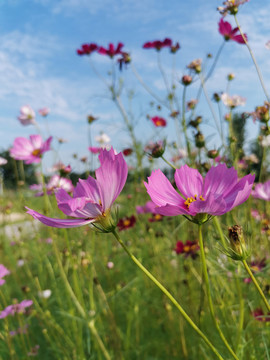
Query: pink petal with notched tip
point(36, 141)
point(161, 190)
point(188, 181)
point(240, 192)
point(111, 177)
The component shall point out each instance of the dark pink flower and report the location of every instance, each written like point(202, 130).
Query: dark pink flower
point(126, 222)
point(87, 49)
point(225, 29)
point(258, 314)
point(15, 308)
point(92, 198)
point(217, 193)
point(31, 150)
point(159, 121)
point(94, 149)
point(3, 272)
point(158, 44)
point(189, 248)
point(111, 51)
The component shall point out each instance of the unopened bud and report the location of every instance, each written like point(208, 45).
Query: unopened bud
point(212, 154)
point(199, 140)
point(186, 80)
point(238, 250)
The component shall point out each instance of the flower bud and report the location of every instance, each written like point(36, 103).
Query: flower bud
point(199, 140)
point(230, 77)
point(238, 250)
point(212, 154)
point(186, 80)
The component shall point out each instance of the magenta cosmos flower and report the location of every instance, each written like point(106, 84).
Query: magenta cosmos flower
point(92, 199)
point(262, 191)
point(159, 121)
point(30, 150)
point(87, 49)
point(3, 272)
point(27, 115)
point(158, 44)
point(200, 198)
point(225, 29)
point(111, 51)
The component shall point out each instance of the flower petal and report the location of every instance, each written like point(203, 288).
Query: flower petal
point(213, 205)
point(111, 177)
point(189, 181)
point(161, 190)
point(219, 180)
point(240, 192)
point(58, 223)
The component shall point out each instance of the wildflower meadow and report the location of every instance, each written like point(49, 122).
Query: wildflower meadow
point(155, 244)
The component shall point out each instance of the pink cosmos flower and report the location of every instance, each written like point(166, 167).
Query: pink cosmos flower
point(159, 121)
point(225, 29)
point(27, 115)
point(219, 192)
point(30, 150)
point(44, 111)
point(87, 49)
point(262, 191)
point(158, 44)
point(149, 207)
point(55, 183)
point(15, 308)
point(92, 198)
point(3, 272)
point(94, 149)
point(232, 101)
point(111, 51)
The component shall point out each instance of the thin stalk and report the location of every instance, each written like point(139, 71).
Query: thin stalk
point(241, 309)
point(256, 284)
point(208, 293)
point(261, 165)
point(210, 105)
point(162, 72)
point(184, 125)
point(77, 304)
point(219, 230)
point(167, 162)
point(169, 296)
point(253, 59)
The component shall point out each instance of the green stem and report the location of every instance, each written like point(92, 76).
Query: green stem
point(261, 165)
point(256, 284)
point(169, 296)
point(253, 59)
point(219, 230)
point(241, 308)
point(208, 292)
point(167, 162)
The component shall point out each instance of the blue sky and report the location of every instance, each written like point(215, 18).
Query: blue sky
point(39, 65)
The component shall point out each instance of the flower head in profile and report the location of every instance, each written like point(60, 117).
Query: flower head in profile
point(262, 191)
point(92, 198)
point(15, 308)
point(55, 183)
point(44, 111)
point(111, 51)
point(87, 49)
point(225, 29)
point(199, 198)
point(231, 7)
point(159, 121)
point(3, 272)
point(233, 101)
point(94, 149)
point(27, 115)
point(31, 150)
point(158, 44)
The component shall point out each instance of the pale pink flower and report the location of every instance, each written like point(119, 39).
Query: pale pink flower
point(149, 207)
point(31, 150)
point(3, 161)
point(55, 183)
point(27, 115)
point(92, 198)
point(3, 272)
point(262, 191)
point(233, 101)
point(44, 111)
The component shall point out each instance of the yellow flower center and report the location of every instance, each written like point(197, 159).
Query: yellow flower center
point(157, 217)
point(36, 152)
point(126, 222)
point(192, 199)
